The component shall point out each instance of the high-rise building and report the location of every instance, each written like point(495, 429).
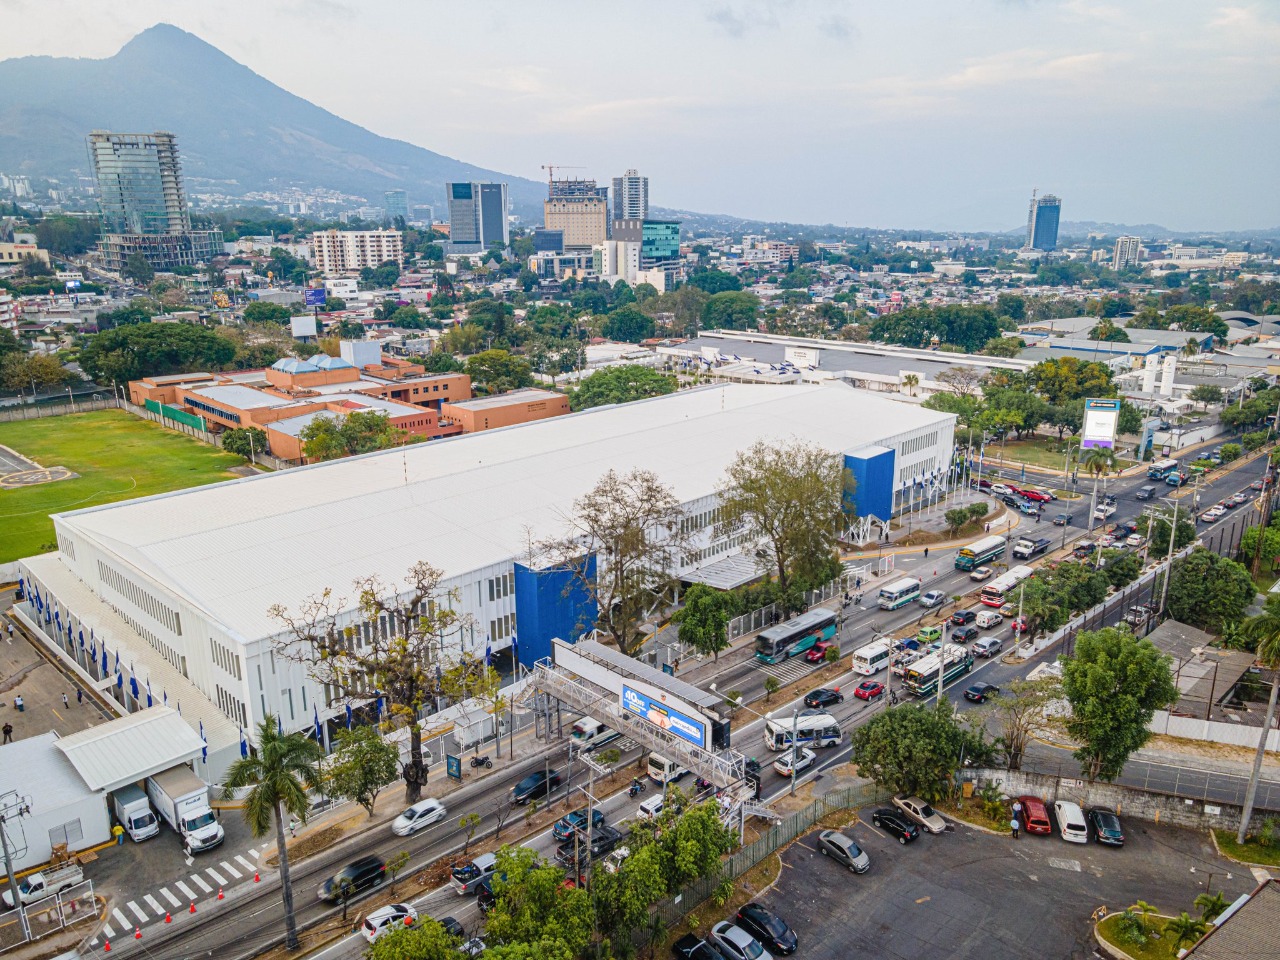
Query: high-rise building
point(580, 208)
point(142, 203)
point(630, 196)
point(1128, 253)
point(1042, 222)
point(396, 204)
point(645, 245)
point(349, 251)
point(477, 216)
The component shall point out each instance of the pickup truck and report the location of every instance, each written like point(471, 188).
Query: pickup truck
point(46, 883)
point(1027, 547)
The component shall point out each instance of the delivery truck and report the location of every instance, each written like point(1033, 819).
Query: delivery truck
point(182, 800)
point(134, 813)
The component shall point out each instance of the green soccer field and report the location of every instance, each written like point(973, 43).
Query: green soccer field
point(117, 456)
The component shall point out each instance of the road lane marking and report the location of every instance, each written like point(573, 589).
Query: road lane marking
point(121, 918)
point(164, 892)
point(107, 932)
point(186, 891)
point(244, 863)
point(217, 877)
point(200, 882)
point(228, 868)
point(137, 912)
point(154, 904)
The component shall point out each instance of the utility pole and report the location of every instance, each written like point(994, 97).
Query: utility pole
point(795, 715)
point(13, 806)
point(1168, 570)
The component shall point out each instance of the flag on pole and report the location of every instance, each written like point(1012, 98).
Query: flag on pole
point(133, 684)
point(179, 708)
point(488, 652)
point(244, 745)
point(119, 680)
point(379, 709)
point(348, 716)
point(105, 669)
point(166, 698)
point(279, 726)
point(315, 714)
point(117, 660)
point(150, 702)
point(204, 750)
point(515, 647)
point(82, 638)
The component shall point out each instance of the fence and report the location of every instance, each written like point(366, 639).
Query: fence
point(778, 836)
point(48, 916)
point(167, 419)
point(39, 411)
point(767, 616)
point(1214, 731)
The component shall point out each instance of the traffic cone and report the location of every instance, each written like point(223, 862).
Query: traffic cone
point(256, 878)
point(137, 933)
point(219, 893)
point(167, 918)
point(106, 948)
point(193, 906)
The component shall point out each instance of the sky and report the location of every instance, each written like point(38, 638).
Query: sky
point(930, 114)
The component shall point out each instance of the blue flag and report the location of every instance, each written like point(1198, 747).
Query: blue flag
point(244, 744)
point(150, 702)
point(348, 716)
point(166, 698)
point(515, 647)
point(380, 709)
point(105, 670)
point(119, 680)
point(315, 713)
point(22, 586)
point(133, 684)
point(82, 638)
point(488, 653)
point(117, 666)
point(279, 726)
point(204, 750)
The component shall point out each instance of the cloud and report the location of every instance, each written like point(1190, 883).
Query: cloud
point(729, 20)
point(836, 26)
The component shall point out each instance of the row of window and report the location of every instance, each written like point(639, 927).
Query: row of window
point(502, 627)
point(228, 661)
point(697, 521)
point(175, 659)
point(916, 444)
point(142, 599)
point(67, 547)
point(499, 587)
point(231, 706)
point(211, 409)
point(922, 468)
point(717, 548)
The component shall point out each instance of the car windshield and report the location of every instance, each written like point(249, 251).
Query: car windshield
point(926, 810)
point(195, 823)
point(752, 949)
point(771, 923)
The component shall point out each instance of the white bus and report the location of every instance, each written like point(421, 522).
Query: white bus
point(808, 730)
point(662, 770)
point(995, 592)
point(899, 594)
point(872, 658)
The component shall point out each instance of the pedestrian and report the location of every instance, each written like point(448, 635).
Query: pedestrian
point(926, 553)
point(988, 528)
point(79, 695)
point(1013, 825)
point(65, 702)
point(19, 705)
point(10, 626)
point(292, 824)
point(8, 732)
point(118, 832)
point(1017, 810)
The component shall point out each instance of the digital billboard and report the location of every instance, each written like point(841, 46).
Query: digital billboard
point(661, 715)
point(1100, 420)
point(313, 297)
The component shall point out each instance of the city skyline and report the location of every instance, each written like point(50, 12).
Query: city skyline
point(1025, 100)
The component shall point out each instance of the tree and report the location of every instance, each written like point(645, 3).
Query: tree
point(731, 310)
point(714, 281)
point(361, 766)
point(246, 442)
point(792, 496)
point(1211, 905)
point(1184, 928)
point(703, 621)
point(1268, 551)
point(334, 304)
point(262, 312)
point(956, 518)
point(468, 823)
point(1205, 394)
point(425, 940)
point(1114, 683)
point(279, 774)
point(154, 349)
point(1121, 567)
point(621, 384)
point(1108, 331)
point(364, 431)
point(441, 361)
point(9, 344)
point(1209, 591)
point(1004, 346)
point(912, 749)
point(629, 325)
point(36, 371)
point(690, 842)
point(533, 904)
point(911, 381)
point(771, 686)
point(1099, 462)
point(622, 900)
point(1061, 380)
point(1263, 630)
point(1230, 451)
point(138, 269)
point(497, 371)
point(622, 547)
point(400, 660)
point(1019, 711)
point(1157, 531)
point(962, 381)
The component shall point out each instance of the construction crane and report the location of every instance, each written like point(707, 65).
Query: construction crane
point(552, 167)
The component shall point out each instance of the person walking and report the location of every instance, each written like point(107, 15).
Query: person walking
point(926, 553)
point(79, 695)
point(8, 732)
point(1013, 826)
point(10, 626)
point(1017, 810)
point(292, 823)
point(118, 832)
point(65, 702)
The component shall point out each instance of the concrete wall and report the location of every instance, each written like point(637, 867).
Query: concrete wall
point(1128, 801)
point(1214, 731)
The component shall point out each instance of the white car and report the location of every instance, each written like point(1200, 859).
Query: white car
point(1135, 540)
point(805, 758)
point(1000, 489)
point(390, 917)
point(1103, 511)
point(421, 814)
point(737, 944)
point(980, 573)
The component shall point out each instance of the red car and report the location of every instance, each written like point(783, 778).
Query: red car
point(1019, 624)
point(1037, 496)
point(818, 652)
point(869, 690)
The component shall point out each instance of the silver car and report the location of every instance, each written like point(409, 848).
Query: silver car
point(833, 843)
point(934, 598)
point(736, 943)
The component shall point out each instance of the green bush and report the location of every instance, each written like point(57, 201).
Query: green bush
point(1230, 451)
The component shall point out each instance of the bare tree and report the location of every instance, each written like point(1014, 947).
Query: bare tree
point(502, 809)
point(390, 643)
point(963, 381)
point(1019, 711)
point(623, 546)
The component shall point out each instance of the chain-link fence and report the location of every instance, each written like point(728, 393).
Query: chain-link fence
point(747, 623)
point(777, 836)
point(73, 905)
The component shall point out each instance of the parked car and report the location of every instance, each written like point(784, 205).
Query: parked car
point(1001, 489)
point(693, 947)
point(570, 823)
point(453, 928)
point(804, 759)
point(980, 573)
point(421, 814)
point(770, 929)
point(963, 634)
point(1106, 827)
point(1071, 822)
point(823, 697)
point(982, 484)
point(962, 617)
point(1062, 520)
point(360, 874)
point(919, 811)
point(1135, 540)
point(869, 690)
point(980, 692)
point(818, 652)
point(934, 598)
point(390, 917)
point(736, 943)
point(1084, 548)
point(895, 824)
point(844, 850)
point(535, 786)
point(987, 647)
point(1035, 816)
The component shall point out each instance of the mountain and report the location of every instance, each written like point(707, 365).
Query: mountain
point(231, 124)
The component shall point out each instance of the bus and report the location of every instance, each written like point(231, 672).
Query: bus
point(921, 678)
point(995, 592)
point(662, 770)
point(976, 554)
point(1160, 469)
point(872, 658)
point(899, 594)
point(809, 729)
point(795, 636)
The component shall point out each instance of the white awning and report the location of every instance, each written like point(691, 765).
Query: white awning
point(124, 751)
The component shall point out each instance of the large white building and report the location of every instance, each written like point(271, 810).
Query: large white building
point(178, 586)
point(350, 251)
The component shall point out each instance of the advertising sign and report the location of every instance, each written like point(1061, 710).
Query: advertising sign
point(73, 284)
point(1100, 420)
point(453, 767)
point(661, 715)
point(313, 298)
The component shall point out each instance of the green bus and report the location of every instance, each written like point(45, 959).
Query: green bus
point(921, 678)
point(976, 554)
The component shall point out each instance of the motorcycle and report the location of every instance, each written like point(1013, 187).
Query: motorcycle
point(702, 784)
point(636, 787)
point(478, 761)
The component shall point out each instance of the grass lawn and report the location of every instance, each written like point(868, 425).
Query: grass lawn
point(1154, 949)
point(1038, 452)
point(117, 456)
point(1249, 852)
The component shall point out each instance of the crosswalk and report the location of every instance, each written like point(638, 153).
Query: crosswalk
point(154, 906)
point(788, 671)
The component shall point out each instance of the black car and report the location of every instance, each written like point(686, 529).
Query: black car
point(962, 617)
point(602, 841)
point(1011, 501)
point(360, 875)
point(981, 692)
point(1062, 520)
point(453, 928)
point(964, 634)
point(535, 786)
point(566, 825)
point(1105, 826)
point(822, 697)
point(693, 947)
point(895, 823)
point(486, 899)
point(771, 931)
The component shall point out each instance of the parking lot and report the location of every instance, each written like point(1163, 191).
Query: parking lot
point(969, 894)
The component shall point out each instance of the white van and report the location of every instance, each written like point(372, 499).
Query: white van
point(988, 619)
point(661, 770)
point(588, 733)
point(1070, 821)
point(651, 809)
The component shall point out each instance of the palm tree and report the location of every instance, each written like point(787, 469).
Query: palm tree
point(1144, 910)
point(911, 381)
point(1265, 629)
point(1211, 905)
point(1100, 461)
point(1183, 928)
point(280, 774)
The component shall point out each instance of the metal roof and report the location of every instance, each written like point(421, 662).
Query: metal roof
point(726, 573)
point(35, 771)
point(631, 667)
point(127, 749)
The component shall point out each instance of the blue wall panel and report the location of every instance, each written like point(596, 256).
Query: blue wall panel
point(873, 470)
point(550, 603)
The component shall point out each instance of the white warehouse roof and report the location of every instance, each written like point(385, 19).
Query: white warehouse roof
point(233, 549)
